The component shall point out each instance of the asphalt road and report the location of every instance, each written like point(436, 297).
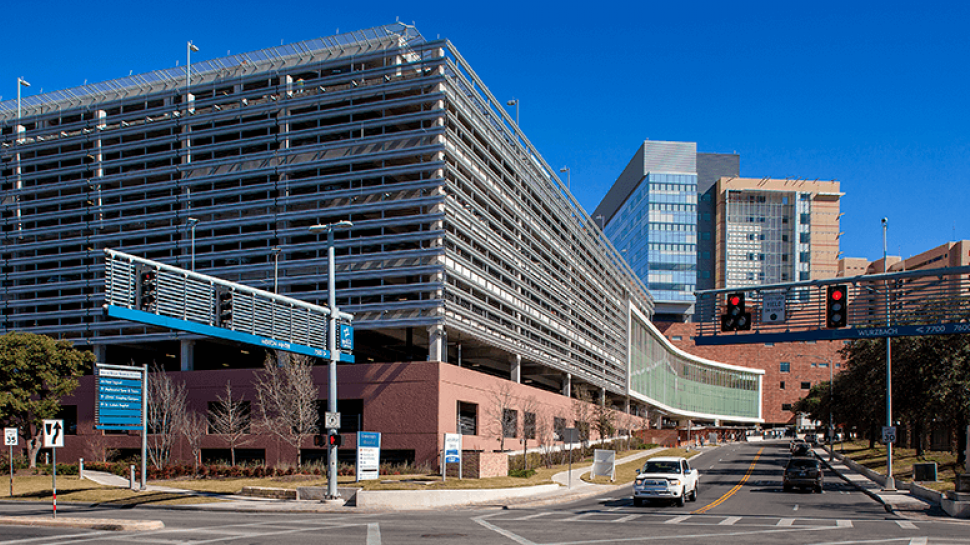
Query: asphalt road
point(741, 501)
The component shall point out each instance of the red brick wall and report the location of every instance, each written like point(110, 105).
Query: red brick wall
point(800, 355)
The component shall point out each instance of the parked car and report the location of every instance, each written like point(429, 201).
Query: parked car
point(803, 472)
point(666, 478)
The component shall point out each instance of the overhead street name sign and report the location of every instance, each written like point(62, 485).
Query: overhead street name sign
point(833, 334)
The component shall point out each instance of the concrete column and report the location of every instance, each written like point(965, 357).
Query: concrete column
point(100, 353)
point(603, 397)
point(626, 406)
point(187, 355)
point(516, 362)
point(437, 343)
point(567, 385)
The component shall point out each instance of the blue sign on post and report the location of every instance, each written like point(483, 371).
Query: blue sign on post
point(346, 337)
point(368, 455)
point(119, 398)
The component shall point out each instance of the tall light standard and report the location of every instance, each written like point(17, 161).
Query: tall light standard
point(192, 222)
point(569, 181)
point(276, 269)
point(189, 48)
point(21, 82)
point(329, 228)
point(890, 481)
point(515, 102)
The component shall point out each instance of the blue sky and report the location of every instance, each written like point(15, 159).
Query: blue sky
point(875, 95)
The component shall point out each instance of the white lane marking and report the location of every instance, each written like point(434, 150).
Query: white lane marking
point(627, 518)
point(905, 524)
point(795, 508)
point(532, 516)
point(918, 541)
point(49, 538)
point(373, 534)
point(730, 521)
point(843, 523)
point(785, 522)
point(677, 520)
point(514, 537)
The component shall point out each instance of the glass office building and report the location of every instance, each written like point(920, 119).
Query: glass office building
point(650, 215)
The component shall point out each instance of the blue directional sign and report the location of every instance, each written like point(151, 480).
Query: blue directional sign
point(118, 404)
point(346, 337)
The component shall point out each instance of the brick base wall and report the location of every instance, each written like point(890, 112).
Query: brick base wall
point(479, 465)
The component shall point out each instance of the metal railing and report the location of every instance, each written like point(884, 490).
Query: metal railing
point(193, 297)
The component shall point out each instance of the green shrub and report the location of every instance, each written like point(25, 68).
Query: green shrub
point(522, 473)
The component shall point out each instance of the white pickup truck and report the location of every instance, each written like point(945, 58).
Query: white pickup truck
point(666, 478)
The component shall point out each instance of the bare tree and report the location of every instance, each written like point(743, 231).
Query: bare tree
point(583, 412)
point(530, 408)
point(193, 427)
point(288, 398)
point(604, 418)
point(166, 410)
point(231, 418)
point(502, 418)
point(98, 447)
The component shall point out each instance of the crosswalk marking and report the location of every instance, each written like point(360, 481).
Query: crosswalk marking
point(627, 518)
point(905, 524)
point(785, 522)
point(730, 521)
point(844, 523)
point(677, 520)
point(533, 516)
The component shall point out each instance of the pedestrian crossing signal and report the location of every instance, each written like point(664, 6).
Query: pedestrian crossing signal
point(224, 308)
point(147, 289)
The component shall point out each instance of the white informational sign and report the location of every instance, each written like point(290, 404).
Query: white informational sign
point(889, 434)
point(368, 455)
point(604, 463)
point(331, 421)
point(773, 308)
point(53, 433)
point(10, 437)
point(452, 448)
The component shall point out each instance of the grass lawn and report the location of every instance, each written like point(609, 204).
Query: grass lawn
point(903, 460)
point(71, 489)
point(626, 473)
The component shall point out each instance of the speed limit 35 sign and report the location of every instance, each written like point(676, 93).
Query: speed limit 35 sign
point(9, 437)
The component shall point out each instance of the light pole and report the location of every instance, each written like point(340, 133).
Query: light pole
point(276, 269)
point(515, 102)
point(192, 222)
point(890, 481)
point(21, 82)
point(329, 228)
point(189, 48)
point(569, 182)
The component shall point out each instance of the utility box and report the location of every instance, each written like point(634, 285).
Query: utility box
point(963, 483)
point(924, 472)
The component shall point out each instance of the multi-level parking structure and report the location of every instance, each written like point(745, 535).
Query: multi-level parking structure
point(465, 246)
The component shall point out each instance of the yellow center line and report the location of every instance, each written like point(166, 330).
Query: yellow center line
point(734, 490)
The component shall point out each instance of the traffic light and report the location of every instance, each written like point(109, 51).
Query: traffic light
point(835, 306)
point(147, 289)
point(223, 307)
point(336, 440)
point(319, 441)
point(736, 319)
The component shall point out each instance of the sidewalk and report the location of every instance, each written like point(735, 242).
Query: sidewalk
point(901, 502)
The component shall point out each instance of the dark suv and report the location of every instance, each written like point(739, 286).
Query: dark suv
point(803, 472)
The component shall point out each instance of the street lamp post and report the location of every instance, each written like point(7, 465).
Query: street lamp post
point(21, 82)
point(890, 481)
point(189, 48)
point(569, 181)
point(276, 269)
point(332, 347)
point(515, 102)
point(192, 223)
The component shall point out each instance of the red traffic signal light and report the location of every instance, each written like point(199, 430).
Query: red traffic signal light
point(836, 314)
point(735, 319)
point(336, 440)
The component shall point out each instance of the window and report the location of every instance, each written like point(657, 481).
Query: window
point(558, 425)
point(785, 367)
point(467, 418)
point(510, 423)
point(806, 385)
point(805, 219)
point(529, 425)
point(786, 406)
point(804, 238)
point(782, 385)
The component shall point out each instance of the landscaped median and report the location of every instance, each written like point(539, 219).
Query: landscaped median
point(874, 459)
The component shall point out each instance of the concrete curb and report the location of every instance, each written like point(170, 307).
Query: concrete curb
point(115, 525)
